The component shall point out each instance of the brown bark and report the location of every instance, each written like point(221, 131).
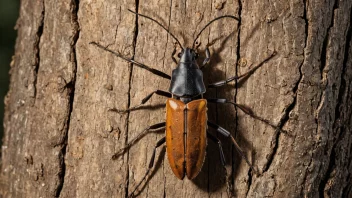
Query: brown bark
point(60, 136)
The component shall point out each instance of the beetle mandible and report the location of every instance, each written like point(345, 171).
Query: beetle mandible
point(186, 110)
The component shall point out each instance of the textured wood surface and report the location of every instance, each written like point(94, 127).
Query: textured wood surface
point(60, 134)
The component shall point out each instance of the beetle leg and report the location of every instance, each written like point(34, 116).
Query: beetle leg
point(144, 100)
point(141, 65)
point(151, 164)
point(223, 161)
point(227, 134)
point(145, 131)
point(224, 82)
point(216, 140)
point(207, 58)
point(245, 110)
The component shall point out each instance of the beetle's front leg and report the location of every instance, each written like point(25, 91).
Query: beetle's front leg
point(173, 55)
point(207, 58)
point(224, 82)
point(144, 100)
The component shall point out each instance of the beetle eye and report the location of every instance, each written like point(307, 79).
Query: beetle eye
point(179, 55)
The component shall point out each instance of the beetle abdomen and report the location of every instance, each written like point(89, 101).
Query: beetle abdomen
point(186, 136)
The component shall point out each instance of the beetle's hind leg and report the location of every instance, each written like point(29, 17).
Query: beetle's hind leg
point(151, 164)
point(247, 111)
point(224, 82)
point(144, 100)
point(139, 136)
point(227, 134)
point(223, 161)
point(222, 156)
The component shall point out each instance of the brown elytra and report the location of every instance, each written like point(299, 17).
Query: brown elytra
point(186, 141)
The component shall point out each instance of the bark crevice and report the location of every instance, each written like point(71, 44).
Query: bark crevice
point(276, 136)
point(70, 86)
point(135, 36)
point(305, 9)
point(323, 64)
point(238, 55)
point(343, 83)
point(326, 176)
point(337, 125)
point(326, 40)
point(288, 109)
point(249, 181)
point(37, 50)
point(323, 58)
point(347, 189)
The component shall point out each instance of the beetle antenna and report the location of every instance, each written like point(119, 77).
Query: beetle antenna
point(221, 17)
point(158, 24)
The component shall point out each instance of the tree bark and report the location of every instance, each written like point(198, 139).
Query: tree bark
point(60, 134)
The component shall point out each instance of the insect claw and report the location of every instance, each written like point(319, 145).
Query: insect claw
point(120, 152)
point(115, 156)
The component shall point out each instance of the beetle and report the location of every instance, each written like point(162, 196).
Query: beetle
point(186, 110)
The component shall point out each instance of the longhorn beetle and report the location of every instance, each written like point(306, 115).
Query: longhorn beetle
point(186, 117)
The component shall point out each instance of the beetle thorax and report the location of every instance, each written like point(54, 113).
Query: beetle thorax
point(187, 78)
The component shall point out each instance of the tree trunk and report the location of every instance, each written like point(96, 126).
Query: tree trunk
point(60, 134)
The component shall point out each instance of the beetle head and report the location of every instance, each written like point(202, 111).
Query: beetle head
point(188, 55)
